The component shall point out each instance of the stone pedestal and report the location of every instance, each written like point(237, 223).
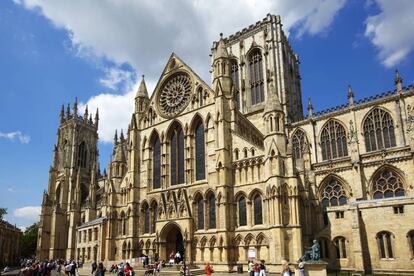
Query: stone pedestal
point(312, 269)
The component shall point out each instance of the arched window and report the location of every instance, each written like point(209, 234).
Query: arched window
point(257, 209)
point(256, 76)
point(154, 216)
point(200, 151)
point(410, 237)
point(385, 245)
point(236, 154)
point(386, 184)
point(298, 141)
point(235, 78)
point(242, 211)
point(146, 213)
point(212, 212)
point(340, 247)
point(177, 156)
point(156, 163)
point(200, 212)
point(333, 194)
point(333, 141)
point(82, 155)
point(379, 130)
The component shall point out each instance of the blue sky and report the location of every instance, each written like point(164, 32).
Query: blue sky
point(54, 51)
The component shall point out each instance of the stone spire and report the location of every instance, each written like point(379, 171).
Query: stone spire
point(75, 108)
point(68, 112)
point(272, 103)
point(350, 95)
point(85, 115)
point(310, 108)
point(142, 89)
point(116, 138)
point(141, 98)
point(398, 81)
point(97, 118)
point(122, 138)
point(62, 114)
point(220, 51)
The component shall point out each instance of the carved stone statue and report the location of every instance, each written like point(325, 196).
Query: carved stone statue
point(314, 254)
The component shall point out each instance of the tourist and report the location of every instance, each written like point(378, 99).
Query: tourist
point(121, 269)
point(177, 257)
point(129, 271)
point(94, 266)
point(301, 269)
point(100, 271)
point(73, 269)
point(256, 269)
point(262, 268)
point(285, 268)
point(171, 261)
point(250, 268)
point(209, 269)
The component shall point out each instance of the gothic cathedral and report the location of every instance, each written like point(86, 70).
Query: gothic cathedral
point(234, 170)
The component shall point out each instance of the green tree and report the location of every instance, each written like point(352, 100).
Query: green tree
point(3, 211)
point(29, 240)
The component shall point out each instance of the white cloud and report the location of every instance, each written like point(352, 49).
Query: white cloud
point(28, 212)
point(144, 33)
point(116, 78)
point(23, 138)
point(22, 228)
point(391, 30)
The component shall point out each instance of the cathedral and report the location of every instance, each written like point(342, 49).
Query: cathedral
point(233, 170)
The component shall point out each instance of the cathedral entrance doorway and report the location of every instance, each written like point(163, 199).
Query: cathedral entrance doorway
point(172, 241)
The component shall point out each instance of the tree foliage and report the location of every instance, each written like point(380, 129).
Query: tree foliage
point(3, 211)
point(29, 240)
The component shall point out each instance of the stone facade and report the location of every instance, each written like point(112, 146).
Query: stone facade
point(234, 170)
point(10, 239)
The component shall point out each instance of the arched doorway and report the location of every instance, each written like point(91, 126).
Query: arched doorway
point(172, 241)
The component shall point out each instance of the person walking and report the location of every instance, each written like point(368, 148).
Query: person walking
point(285, 269)
point(250, 267)
point(209, 269)
point(262, 268)
point(94, 266)
point(100, 271)
point(129, 271)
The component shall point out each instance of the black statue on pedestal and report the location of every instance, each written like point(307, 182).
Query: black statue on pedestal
point(314, 254)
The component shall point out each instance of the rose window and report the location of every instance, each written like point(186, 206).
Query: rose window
point(175, 95)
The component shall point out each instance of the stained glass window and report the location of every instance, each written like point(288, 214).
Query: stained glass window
point(242, 211)
point(212, 212)
point(177, 156)
point(235, 79)
point(333, 141)
point(385, 245)
point(146, 219)
point(387, 184)
point(200, 152)
point(200, 213)
point(379, 130)
point(298, 141)
point(156, 164)
point(258, 216)
point(340, 246)
point(256, 77)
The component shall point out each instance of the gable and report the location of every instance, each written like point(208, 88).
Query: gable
point(177, 89)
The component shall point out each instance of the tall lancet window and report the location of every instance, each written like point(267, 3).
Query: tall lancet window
point(82, 155)
point(177, 156)
point(235, 78)
point(212, 212)
point(298, 141)
point(256, 76)
point(156, 163)
point(200, 151)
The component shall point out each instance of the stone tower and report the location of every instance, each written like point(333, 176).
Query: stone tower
point(72, 184)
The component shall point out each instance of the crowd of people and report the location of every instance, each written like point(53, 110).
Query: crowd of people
point(33, 267)
point(153, 266)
